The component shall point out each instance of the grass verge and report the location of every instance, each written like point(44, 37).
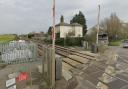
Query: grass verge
point(115, 43)
point(6, 38)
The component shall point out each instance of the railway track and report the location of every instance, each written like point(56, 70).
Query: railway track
point(97, 64)
point(75, 52)
point(72, 58)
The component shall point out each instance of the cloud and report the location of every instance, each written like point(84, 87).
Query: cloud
point(23, 16)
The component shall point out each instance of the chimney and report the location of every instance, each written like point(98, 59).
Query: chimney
point(62, 19)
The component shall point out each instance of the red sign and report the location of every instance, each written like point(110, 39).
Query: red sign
point(22, 76)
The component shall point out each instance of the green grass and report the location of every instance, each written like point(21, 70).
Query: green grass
point(7, 38)
point(115, 43)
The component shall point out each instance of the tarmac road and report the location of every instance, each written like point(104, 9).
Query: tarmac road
point(122, 52)
point(122, 63)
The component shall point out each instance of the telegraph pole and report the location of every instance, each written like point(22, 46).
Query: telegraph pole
point(98, 24)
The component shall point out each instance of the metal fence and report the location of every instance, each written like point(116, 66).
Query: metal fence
point(48, 65)
point(17, 52)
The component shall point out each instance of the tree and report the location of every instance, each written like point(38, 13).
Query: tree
point(112, 26)
point(91, 38)
point(50, 30)
point(16, 37)
point(125, 31)
point(30, 35)
point(80, 18)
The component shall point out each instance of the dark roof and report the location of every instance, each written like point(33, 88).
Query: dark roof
point(63, 24)
point(66, 24)
point(76, 24)
point(103, 34)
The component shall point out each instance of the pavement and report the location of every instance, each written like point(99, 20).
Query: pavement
point(114, 61)
point(10, 69)
point(121, 66)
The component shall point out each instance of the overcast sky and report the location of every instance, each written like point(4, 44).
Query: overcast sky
point(24, 16)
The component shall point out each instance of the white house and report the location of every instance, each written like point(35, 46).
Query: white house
point(72, 30)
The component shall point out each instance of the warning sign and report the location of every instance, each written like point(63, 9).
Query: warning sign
point(22, 76)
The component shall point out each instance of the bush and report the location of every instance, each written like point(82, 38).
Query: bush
point(69, 41)
point(48, 41)
point(91, 38)
point(30, 36)
point(60, 41)
point(102, 48)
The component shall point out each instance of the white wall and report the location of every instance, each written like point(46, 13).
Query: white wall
point(78, 31)
point(64, 30)
point(57, 29)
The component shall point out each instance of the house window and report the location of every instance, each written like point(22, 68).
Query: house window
point(71, 33)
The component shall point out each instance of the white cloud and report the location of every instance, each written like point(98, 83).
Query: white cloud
point(21, 16)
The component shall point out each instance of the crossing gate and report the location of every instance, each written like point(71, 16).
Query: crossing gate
point(17, 52)
point(48, 65)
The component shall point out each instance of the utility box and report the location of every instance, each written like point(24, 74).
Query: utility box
point(85, 44)
point(94, 48)
point(58, 68)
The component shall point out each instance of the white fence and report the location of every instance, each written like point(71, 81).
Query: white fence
point(17, 52)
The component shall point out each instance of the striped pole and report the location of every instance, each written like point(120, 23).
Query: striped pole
point(98, 24)
point(52, 68)
point(53, 29)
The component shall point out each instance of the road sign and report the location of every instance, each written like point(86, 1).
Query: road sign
point(10, 82)
point(12, 87)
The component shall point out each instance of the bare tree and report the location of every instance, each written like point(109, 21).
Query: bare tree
point(91, 37)
point(112, 26)
point(125, 31)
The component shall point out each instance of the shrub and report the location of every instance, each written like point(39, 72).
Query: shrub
point(69, 41)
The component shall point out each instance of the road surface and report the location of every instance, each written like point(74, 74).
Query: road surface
point(122, 66)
